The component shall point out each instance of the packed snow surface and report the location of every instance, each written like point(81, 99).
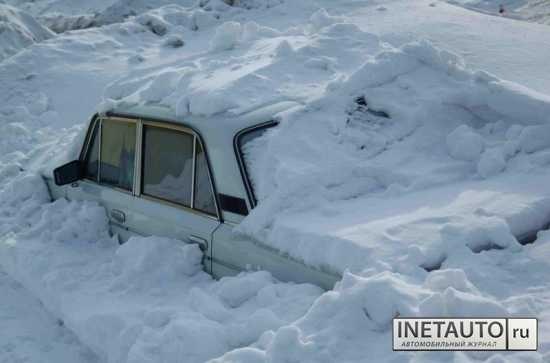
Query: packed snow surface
point(416, 163)
point(30, 334)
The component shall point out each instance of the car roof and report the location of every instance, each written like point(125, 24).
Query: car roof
point(218, 126)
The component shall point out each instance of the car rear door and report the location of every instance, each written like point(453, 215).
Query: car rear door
point(153, 178)
point(174, 190)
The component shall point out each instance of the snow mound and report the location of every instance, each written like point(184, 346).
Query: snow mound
point(377, 124)
point(235, 292)
point(321, 18)
point(535, 138)
point(87, 225)
point(155, 260)
point(60, 23)
point(358, 313)
point(491, 163)
point(193, 15)
point(254, 71)
point(226, 37)
point(18, 30)
point(465, 144)
point(183, 13)
point(406, 120)
point(25, 189)
point(147, 300)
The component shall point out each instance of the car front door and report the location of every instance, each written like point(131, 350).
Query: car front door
point(153, 178)
point(109, 157)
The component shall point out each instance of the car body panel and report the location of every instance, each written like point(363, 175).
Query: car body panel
point(233, 253)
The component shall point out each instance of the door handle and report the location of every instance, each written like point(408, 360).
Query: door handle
point(203, 244)
point(118, 216)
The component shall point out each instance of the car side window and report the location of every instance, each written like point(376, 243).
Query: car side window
point(117, 155)
point(174, 166)
point(204, 197)
point(167, 164)
point(91, 161)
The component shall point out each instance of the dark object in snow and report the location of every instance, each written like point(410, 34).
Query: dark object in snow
point(155, 25)
point(174, 41)
point(433, 265)
point(155, 28)
point(209, 5)
point(501, 10)
point(367, 125)
point(136, 58)
point(361, 101)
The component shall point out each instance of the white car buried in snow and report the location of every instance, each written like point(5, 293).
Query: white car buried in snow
point(157, 174)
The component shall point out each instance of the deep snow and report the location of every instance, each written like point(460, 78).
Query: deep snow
point(30, 334)
point(18, 30)
point(147, 300)
point(419, 157)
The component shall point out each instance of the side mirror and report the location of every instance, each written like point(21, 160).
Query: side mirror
point(68, 173)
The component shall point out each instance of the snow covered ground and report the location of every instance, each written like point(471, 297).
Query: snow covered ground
point(145, 301)
point(417, 160)
point(30, 334)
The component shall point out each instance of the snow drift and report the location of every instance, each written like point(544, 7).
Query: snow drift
point(139, 301)
point(381, 122)
point(148, 299)
point(18, 30)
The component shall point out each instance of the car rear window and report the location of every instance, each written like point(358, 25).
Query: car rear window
point(252, 146)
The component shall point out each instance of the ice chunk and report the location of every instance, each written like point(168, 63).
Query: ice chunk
point(535, 138)
point(491, 163)
point(153, 261)
point(227, 36)
point(465, 144)
point(235, 291)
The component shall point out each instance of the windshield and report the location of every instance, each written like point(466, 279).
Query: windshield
point(252, 146)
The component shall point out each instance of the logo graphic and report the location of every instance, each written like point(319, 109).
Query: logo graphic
point(465, 334)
